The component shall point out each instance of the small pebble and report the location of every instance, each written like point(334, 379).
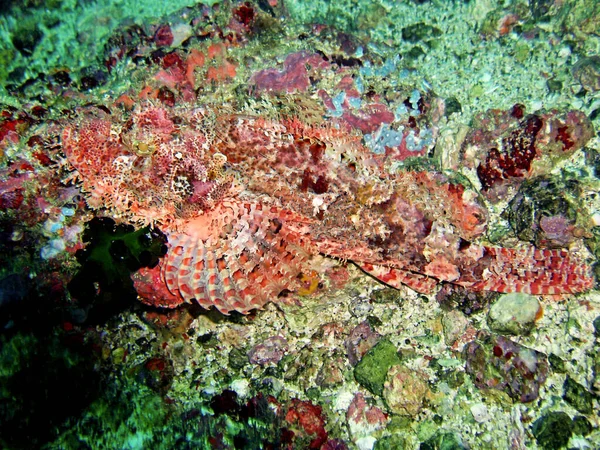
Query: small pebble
point(268, 352)
point(361, 308)
point(241, 387)
point(405, 391)
point(480, 413)
point(68, 212)
point(454, 324)
point(514, 314)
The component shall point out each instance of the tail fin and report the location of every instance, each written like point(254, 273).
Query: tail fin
point(534, 271)
point(505, 270)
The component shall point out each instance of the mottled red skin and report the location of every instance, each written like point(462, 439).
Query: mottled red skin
point(150, 285)
point(303, 191)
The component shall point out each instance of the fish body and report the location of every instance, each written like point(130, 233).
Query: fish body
point(247, 203)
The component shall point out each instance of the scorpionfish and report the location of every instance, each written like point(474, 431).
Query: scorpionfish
point(247, 203)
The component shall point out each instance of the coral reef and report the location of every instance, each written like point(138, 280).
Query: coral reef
point(331, 225)
point(510, 147)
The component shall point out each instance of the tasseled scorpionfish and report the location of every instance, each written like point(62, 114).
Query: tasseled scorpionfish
point(248, 202)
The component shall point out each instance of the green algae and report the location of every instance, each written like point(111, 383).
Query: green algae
point(113, 252)
point(443, 440)
point(581, 426)
point(372, 369)
point(346, 15)
point(578, 396)
point(553, 430)
point(393, 442)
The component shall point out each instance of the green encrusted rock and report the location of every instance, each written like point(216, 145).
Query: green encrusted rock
point(238, 358)
point(553, 430)
point(386, 295)
point(543, 210)
point(578, 396)
point(443, 441)
point(372, 369)
point(405, 391)
point(581, 426)
point(420, 32)
point(556, 363)
point(596, 324)
point(393, 442)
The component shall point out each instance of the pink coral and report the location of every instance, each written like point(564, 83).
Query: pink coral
point(364, 419)
point(293, 77)
point(307, 419)
point(508, 148)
